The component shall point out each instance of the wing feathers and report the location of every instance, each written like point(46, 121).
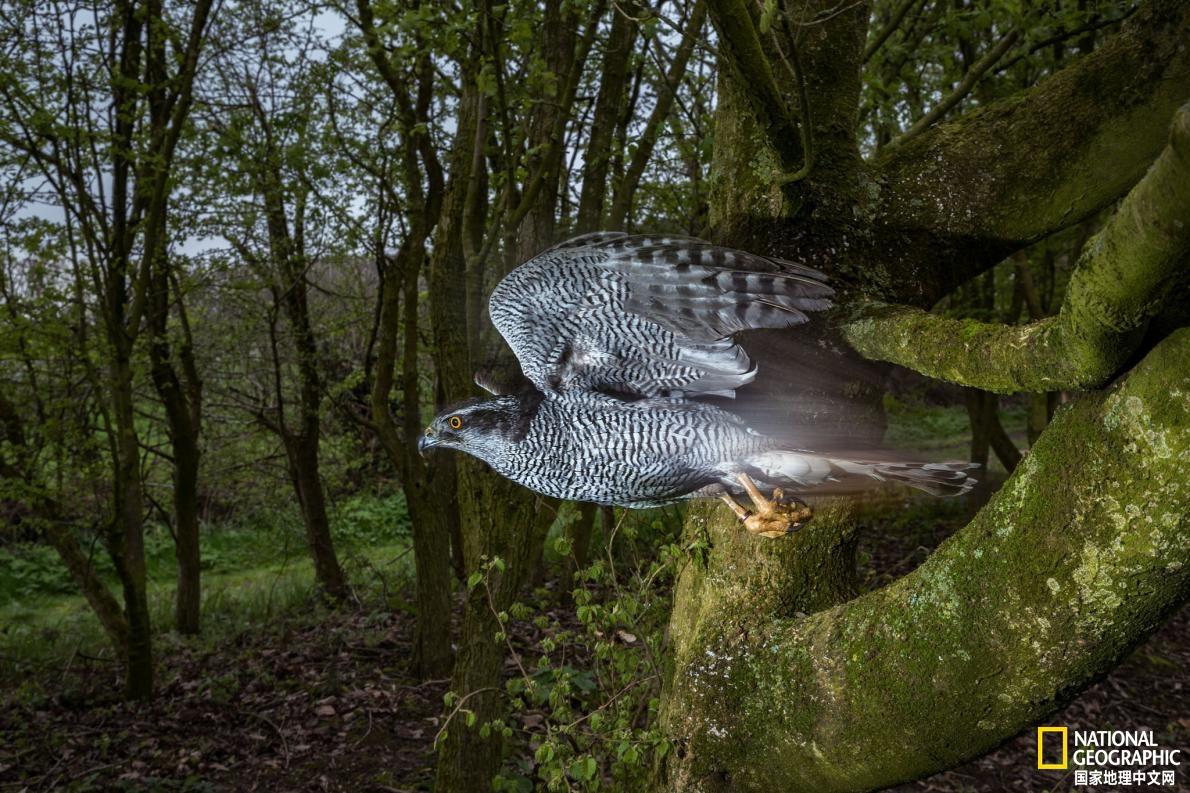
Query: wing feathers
point(706, 292)
point(694, 295)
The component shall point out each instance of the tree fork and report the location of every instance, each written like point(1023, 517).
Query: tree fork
point(972, 646)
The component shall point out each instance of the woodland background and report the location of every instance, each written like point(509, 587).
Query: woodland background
point(225, 320)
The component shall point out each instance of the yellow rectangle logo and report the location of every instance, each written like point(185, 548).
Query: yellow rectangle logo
point(1041, 733)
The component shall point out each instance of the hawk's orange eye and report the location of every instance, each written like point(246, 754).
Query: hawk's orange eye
point(455, 422)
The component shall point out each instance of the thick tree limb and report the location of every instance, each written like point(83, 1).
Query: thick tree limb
point(741, 48)
point(1028, 165)
point(1046, 589)
point(1119, 284)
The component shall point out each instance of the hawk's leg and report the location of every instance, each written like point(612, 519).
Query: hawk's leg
point(774, 517)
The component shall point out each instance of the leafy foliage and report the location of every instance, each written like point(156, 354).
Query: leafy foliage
point(581, 702)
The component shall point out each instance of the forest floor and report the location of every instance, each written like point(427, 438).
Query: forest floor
point(321, 700)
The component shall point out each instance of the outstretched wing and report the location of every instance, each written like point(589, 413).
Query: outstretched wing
point(644, 316)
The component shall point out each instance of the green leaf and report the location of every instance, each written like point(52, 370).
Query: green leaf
point(584, 769)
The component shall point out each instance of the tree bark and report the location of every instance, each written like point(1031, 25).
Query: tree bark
point(291, 294)
point(183, 412)
point(302, 453)
point(424, 493)
point(99, 597)
point(125, 536)
point(613, 85)
point(429, 485)
point(497, 518)
point(188, 599)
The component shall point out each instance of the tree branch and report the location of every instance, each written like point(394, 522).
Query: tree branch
point(1019, 169)
point(741, 48)
point(894, 22)
point(961, 90)
point(1119, 284)
point(667, 90)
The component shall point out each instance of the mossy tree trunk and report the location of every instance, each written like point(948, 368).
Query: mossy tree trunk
point(781, 678)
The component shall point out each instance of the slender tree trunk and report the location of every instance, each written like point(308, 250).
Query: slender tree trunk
point(625, 187)
point(99, 597)
point(560, 42)
point(302, 451)
point(188, 602)
point(613, 86)
point(1041, 406)
point(980, 417)
point(421, 480)
point(288, 258)
point(433, 656)
point(126, 537)
point(183, 415)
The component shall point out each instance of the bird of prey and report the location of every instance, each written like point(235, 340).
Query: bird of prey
point(621, 339)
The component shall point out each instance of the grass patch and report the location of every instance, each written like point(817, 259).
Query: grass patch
point(53, 629)
point(253, 571)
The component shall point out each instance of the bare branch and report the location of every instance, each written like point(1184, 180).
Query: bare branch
point(894, 23)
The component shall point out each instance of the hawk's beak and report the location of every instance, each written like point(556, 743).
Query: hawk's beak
point(426, 442)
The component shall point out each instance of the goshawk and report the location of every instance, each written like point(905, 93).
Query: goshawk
point(622, 339)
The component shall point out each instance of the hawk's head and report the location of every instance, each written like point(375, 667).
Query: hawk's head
point(477, 426)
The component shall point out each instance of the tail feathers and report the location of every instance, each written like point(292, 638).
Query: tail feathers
point(937, 479)
point(814, 471)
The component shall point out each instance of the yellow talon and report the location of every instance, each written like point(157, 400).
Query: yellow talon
point(773, 517)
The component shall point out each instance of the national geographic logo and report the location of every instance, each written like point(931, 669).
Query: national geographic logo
point(1108, 757)
point(1058, 733)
